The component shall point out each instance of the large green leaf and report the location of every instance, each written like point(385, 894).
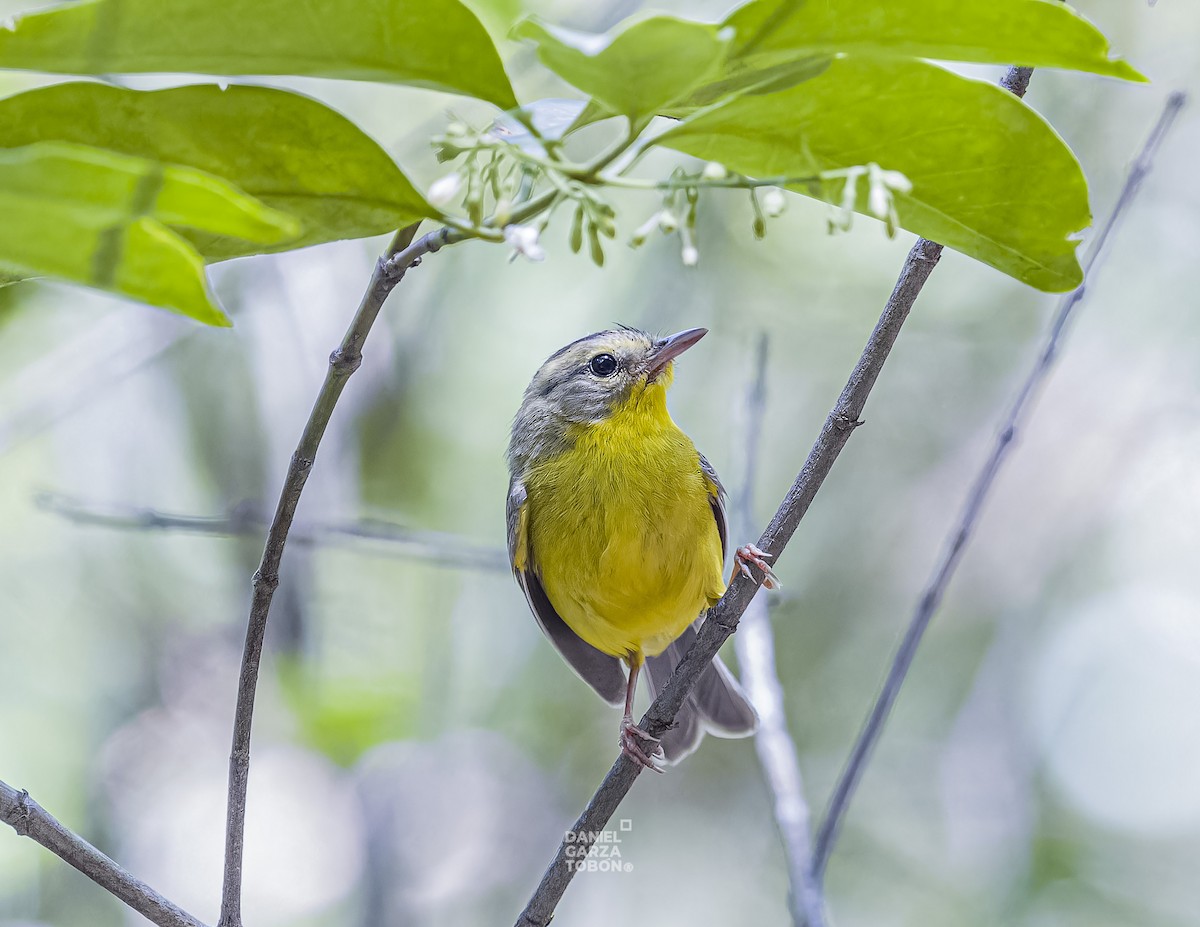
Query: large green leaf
point(428, 43)
point(639, 70)
point(990, 177)
point(290, 151)
point(104, 220)
point(1040, 33)
point(673, 67)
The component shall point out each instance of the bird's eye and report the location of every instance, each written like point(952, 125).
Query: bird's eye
point(603, 365)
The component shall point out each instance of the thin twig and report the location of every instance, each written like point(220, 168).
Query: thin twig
point(722, 619)
point(434, 547)
point(755, 645)
point(29, 819)
point(968, 518)
point(402, 254)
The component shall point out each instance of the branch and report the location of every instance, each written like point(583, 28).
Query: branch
point(403, 253)
point(936, 586)
point(395, 539)
point(722, 619)
point(29, 819)
point(756, 659)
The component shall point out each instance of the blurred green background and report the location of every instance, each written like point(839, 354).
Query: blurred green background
point(420, 749)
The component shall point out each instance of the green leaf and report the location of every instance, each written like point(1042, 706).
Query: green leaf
point(734, 80)
point(101, 219)
point(1039, 33)
point(438, 44)
point(990, 177)
point(291, 152)
point(747, 75)
point(673, 67)
point(637, 71)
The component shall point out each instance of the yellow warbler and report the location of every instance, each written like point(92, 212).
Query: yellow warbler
point(617, 531)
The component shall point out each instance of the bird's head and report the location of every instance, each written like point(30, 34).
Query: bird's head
point(591, 379)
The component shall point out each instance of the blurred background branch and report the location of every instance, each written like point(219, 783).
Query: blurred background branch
point(755, 645)
point(935, 588)
point(246, 520)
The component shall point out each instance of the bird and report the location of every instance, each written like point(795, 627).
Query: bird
point(617, 532)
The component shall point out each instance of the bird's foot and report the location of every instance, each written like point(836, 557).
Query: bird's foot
point(744, 556)
point(635, 742)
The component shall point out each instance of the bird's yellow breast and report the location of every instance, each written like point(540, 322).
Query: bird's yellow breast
point(621, 530)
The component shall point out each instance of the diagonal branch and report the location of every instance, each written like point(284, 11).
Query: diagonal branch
point(403, 253)
point(29, 819)
point(931, 597)
point(756, 660)
point(722, 619)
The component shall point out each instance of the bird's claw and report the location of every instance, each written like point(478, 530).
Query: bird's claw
point(750, 554)
point(633, 740)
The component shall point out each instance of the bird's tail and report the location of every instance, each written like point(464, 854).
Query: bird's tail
point(716, 704)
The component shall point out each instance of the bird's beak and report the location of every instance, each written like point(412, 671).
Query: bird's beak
point(670, 348)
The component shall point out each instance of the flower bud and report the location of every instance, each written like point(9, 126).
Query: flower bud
point(774, 202)
point(689, 254)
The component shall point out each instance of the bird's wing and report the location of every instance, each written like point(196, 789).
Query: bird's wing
point(716, 499)
point(602, 672)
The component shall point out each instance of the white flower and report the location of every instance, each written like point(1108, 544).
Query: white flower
point(774, 202)
point(523, 239)
point(878, 201)
point(689, 255)
point(879, 197)
point(444, 189)
point(894, 180)
point(850, 190)
point(714, 171)
point(667, 222)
